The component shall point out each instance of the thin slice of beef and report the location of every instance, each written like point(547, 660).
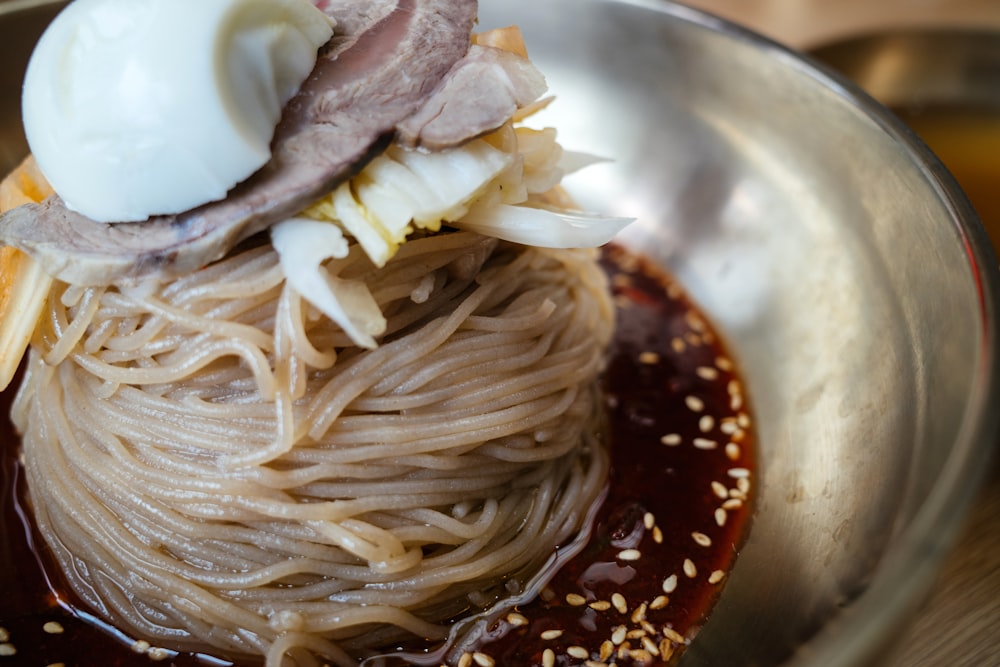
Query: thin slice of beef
point(479, 94)
point(366, 82)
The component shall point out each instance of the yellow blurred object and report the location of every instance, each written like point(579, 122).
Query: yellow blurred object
point(506, 39)
point(24, 287)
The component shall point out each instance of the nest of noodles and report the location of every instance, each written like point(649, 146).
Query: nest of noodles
point(216, 466)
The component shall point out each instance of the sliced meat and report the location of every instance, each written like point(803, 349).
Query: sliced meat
point(386, 60)
point(479, 94)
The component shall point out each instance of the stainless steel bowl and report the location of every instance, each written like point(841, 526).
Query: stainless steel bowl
point(847, 270)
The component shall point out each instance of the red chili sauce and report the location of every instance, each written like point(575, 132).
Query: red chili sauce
point(676, 513)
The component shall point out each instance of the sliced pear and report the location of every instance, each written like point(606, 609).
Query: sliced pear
point(24, 287)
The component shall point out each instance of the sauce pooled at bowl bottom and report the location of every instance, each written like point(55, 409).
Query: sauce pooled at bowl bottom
point(676, 513)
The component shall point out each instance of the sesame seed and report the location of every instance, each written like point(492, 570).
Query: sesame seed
point(465, 660)
point(618, 635)
point(733, 451)
point(735, 402)
point(695, 322)
point(650, 646)
point(706, 423)
point(639, 615)
point(635, 634)
point(641, 656)
point(141, 646)
point(630, 555)
point(157, 654)
point(578, 652)
point(659, 602)
point(705, 444)
point(666, 649)
point(694, 403)
point(689, 568)
point(743, 484)
point(607, 649)
point(701, 539)
point(671, 439)
point(483, 660)
point(548, 658)
point(594, 663)
point(724, 364)
point(618, 600)
point(673, 635)
point(716, 577)
point(720, 490)
point(7, 650)
point(729, 426)
point(575, 600)
point(648, 627)
point(649, 358)
point(56, 664)
point(600, 605)
point(53, 628)
point(670, 584)
point(743, 419)
point(4, 635)
point(707, 373)
point(549, 635)
point(649, 521)
point(657, 535)
point(720, 517)
point(678, 345)
point(732, 504)
point(516, 619)
point(738, 473)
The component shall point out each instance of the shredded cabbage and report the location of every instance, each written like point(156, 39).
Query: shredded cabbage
point(541, 227)
point(303, 246)
point(501, 185)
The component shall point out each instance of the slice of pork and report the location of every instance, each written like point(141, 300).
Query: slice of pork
point(479, 94)
point(387, 58)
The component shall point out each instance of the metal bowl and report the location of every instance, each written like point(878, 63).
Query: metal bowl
point(845, 267)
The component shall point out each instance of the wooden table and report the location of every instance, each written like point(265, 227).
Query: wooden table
point(959, 625)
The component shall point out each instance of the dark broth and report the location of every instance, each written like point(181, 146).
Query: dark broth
point(676, 513)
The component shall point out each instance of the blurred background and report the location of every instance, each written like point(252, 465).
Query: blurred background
point(804, 24)
point(953, 103)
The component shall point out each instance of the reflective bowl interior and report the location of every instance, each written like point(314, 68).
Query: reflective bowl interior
point(854, 284)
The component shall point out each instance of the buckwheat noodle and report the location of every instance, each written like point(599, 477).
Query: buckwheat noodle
point(215, 466)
